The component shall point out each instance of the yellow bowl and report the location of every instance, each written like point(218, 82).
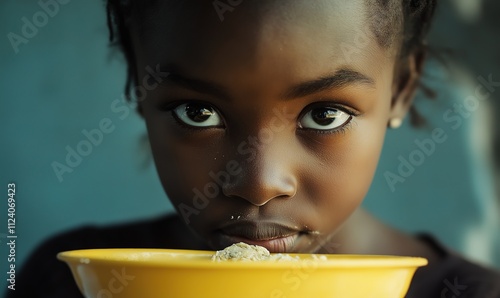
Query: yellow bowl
point(160, 273)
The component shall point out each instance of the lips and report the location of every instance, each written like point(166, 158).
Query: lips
point(275, 237)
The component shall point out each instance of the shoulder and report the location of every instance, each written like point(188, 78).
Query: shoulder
point(454, 276)
point(166, 231)
point(52, 278)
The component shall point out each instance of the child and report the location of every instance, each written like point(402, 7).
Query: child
point(266, 120)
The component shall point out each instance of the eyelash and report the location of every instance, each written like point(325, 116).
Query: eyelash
point(327, 104)
point(339, 130)
point(170, 107)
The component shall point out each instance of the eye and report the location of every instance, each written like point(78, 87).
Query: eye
point(198, 115)
point(324, 118)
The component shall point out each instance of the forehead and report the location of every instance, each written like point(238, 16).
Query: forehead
point(314, 37)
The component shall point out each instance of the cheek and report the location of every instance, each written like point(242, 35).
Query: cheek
point(183, 163)
point(344, 172)
point(358, 152)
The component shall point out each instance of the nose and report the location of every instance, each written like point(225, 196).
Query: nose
point(266, 177)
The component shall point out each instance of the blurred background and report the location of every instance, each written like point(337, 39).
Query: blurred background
point(60, 80)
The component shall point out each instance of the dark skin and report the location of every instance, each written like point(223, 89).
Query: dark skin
point(296, 181)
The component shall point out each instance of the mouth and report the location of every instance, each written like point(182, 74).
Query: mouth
point(274, 237)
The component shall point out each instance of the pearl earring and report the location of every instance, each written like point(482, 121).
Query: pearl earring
point(395, 123)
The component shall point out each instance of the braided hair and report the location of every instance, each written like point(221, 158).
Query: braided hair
point(402, 22)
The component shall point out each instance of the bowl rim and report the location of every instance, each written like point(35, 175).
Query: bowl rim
point(102, 256)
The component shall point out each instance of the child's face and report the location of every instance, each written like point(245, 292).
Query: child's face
point(284, 102)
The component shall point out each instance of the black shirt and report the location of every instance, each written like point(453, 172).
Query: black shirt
point(44, 276)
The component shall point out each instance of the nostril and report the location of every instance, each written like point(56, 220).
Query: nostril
point(259, 196)
point(264, 202)
point(284, 197)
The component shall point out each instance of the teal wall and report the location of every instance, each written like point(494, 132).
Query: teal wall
point(61, 82)
point(65, 80)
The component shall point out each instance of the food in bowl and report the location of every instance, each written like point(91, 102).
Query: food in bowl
point(246, 252)
point(242, 252)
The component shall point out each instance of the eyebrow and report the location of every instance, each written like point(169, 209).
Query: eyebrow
point(341, 78)
point(200, 86)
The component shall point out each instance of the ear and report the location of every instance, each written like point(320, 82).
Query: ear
point(406, 78)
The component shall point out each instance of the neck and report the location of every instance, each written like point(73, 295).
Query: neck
point(364, 234)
